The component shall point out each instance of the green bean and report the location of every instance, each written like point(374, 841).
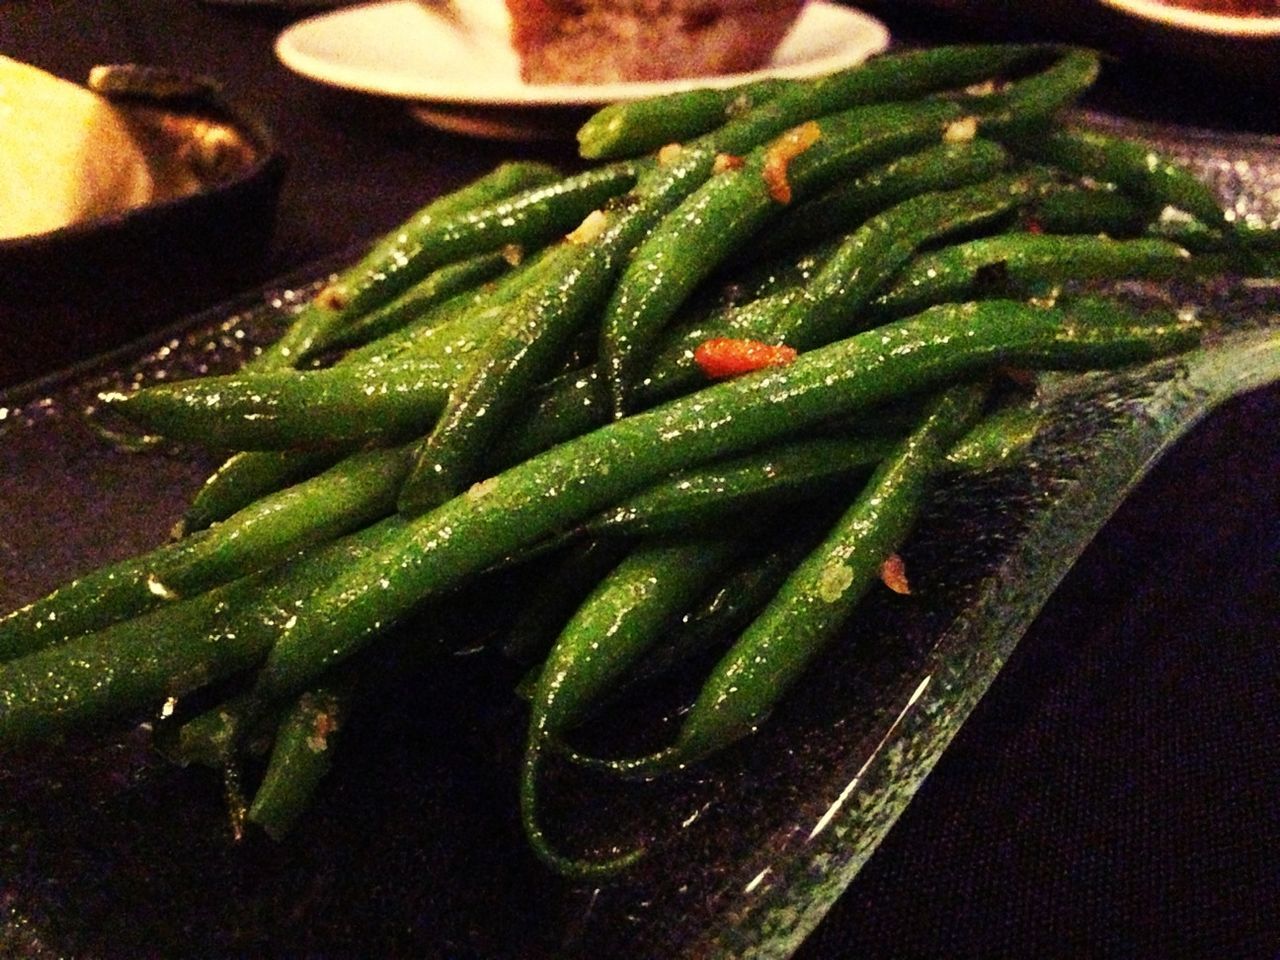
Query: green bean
point(845, 206)
point(486, 216)
point(621, 620)
point(872, 254)
point(355, 492)
point(703, 497)
point(1071, 208)
point(246, 476)
point(721, 215)
point(299, 759)
point(526, 347)
point(633, 127)
point(287, 410)
point(1016, 264)
point(801, 470)
point(556, 490)
point(454, 284)
point(170, 651)
point(1140, 170)
point(731, 207)
point(566, 585)
point(251, 474)
point(801, 621)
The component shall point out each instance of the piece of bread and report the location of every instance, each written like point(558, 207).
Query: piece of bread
point(606, 41)
point(68, 154)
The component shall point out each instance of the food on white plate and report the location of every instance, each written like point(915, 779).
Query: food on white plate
point(609, 41)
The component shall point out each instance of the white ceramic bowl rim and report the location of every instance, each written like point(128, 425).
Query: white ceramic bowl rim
point(1186, 18)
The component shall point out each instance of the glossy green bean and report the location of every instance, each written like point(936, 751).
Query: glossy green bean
point(834, 302)
point(244, 477)
point(348, 496)
point(819, 596)
point(624, 617)
point(1138, 169)
point(300, 759)
point(456, 287)
point(1024, 264)
point(634, 127)
point(135, 664)
point(847, 205)
point(553, 492)
point(489, 220)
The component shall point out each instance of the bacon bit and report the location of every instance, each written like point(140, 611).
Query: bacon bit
point(669, 154)
point(779, 154)
point(332, 297)
point(961, 131)
point(893, 572)
point(589, 229)
point(727, 161)
point(1020, 377)
point(1033, 225)
point(723, 357)
point(513, 253)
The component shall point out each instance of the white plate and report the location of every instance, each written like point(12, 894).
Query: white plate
point(400, 48)
point(1198, 21)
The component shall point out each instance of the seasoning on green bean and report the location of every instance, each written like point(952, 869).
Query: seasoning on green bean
point(847, 205)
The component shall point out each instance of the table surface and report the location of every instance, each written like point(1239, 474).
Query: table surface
point(1116, 791)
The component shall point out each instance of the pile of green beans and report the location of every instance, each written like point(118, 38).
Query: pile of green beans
point(513, 376)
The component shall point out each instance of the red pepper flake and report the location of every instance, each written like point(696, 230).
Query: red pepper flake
point(727, 161)
point(893, 572)
point(779, 154)
point(723, 357)
point(1034, 226)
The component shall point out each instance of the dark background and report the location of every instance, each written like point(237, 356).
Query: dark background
point(1116, 793)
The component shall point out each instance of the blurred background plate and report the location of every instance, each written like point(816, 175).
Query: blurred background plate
point(408, 50)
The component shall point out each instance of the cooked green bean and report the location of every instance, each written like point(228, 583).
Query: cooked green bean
point(634, 127)
point(170, 651)
point(623, 618)
point(832, 304)
point(944, 166)
point(553, 492)
point(1025, 264)
point(1138, 169)
point(355, 492)
point(484, 217)
point(246, 476)
point(300, 759)
point(818, 597)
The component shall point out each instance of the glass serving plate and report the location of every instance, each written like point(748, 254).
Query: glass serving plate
point(414, 846)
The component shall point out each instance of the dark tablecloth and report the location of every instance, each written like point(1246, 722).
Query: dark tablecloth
point(1117, 793)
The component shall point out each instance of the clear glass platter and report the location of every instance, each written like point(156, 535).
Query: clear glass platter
point(414, 847)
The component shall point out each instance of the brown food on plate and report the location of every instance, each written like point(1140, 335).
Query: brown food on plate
point(606, 41)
